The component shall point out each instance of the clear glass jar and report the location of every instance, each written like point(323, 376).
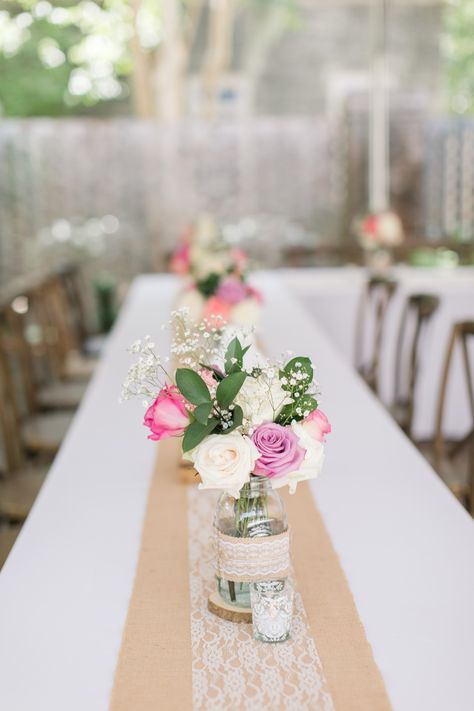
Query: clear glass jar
point(272, 610)
point(258, 512)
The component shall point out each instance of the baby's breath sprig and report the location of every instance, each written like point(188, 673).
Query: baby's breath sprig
point(194, 345)
point(147, 375)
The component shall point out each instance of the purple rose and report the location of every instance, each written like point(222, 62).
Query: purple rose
point(279, 450)
point(232, 291)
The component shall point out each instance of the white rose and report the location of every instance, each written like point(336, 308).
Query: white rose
point(247, 313)
point(312, 463)
point(390, 229)
point(206, 231)
point(205, 262)
point(191, 299)
point(225, 462)
point(262, 399)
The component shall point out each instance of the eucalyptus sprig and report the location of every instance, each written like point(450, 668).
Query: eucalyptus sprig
point(220, 414)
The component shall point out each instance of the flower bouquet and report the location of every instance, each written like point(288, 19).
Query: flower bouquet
point(216, 276)
point(250, 426)
point(378, 234)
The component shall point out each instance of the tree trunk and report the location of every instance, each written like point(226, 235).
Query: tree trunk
point(142, 94)
point(170, 65)
point(219, 49)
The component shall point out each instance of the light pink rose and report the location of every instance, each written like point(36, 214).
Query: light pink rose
point(167, 417)
point(317, 425)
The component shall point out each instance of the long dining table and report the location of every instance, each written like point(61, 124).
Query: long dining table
point(405, 544)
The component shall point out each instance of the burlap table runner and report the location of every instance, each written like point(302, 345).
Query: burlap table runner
point(177, 655)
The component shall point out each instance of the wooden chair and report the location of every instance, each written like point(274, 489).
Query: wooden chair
point(69, 275)
point(8, 536)
point(40, 433)
point(91, 346)
point(51, 394)
point(417, 313)
point(20, 482)
point(372, 313)
point(60, 339)
point(454, 459)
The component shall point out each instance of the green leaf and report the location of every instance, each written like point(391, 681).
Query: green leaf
point(233, 352)
point(202, 412)
point(306, 403)
point(192, 386)
point(208, 286)
point(196, 432)
point(228, 389)
point(237, 417)
point(217, 373)
point(294, 366)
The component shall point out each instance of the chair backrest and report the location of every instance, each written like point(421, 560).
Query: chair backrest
point(50, 307)
point(462, 332)
point(417, 312)
point(70, 277)
point(16, 346)
point(370, 323)
point(10, 433)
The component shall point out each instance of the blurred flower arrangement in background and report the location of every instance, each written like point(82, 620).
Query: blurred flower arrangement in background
point(383, 230)
point(215, 275)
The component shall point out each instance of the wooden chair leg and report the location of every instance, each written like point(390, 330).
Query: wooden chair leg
point(471, 475)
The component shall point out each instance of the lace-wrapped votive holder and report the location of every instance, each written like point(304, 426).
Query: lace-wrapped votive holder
point(272, 610)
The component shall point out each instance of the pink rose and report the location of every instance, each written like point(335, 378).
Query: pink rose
point(167, 417)
point(279, 450)
point(216, 307)
point(240, 259)
point(371, 225)
point(317, 425)
point(208, 378)
point(232, 291)
point(180, 261)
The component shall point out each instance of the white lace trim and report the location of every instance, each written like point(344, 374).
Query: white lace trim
point(252, 559)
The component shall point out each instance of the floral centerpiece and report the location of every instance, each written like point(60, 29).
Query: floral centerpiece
point(249, 425)
point(379, 234)
point(216, 276)
point(383, 230)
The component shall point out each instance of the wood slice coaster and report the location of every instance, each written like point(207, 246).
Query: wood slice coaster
point(187, 473)
point(219, 607)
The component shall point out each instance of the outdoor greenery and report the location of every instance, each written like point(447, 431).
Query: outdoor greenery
point(458, 53)
point(62, 57)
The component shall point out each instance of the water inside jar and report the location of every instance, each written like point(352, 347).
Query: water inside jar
point(235, 593)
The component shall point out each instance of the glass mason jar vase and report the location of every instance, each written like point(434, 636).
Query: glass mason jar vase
point(258, 512)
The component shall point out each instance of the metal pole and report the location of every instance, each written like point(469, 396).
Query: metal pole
point(378, 112)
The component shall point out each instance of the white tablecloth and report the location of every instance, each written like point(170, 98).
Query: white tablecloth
point(332, 296)
point(405, 544)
